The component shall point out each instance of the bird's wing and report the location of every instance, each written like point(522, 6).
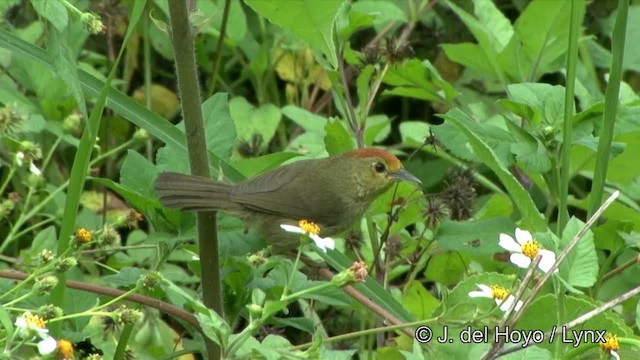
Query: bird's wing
point(276, 193)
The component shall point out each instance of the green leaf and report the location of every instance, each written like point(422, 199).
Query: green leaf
point(532, 218)
point(545, 101)
point(125, 277)
point(478, 237)
point(137, 174)
point(251, 121)
point(416, 79)
point(65, 64)
point(540, 41)
point(219, 128)
point(337, 138)
point(529, 150)
point(384, 11)
point(580, 268)
point(54, 11)
point(419, 301)
point(414, 133)
point(257, 165)
point(5, 321)
point(469, 55)
point(377, 130)
point(447, 268)
point(311, 20)
point(214, 327)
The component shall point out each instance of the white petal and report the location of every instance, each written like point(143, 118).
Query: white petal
point(47, 345)
point(485, 292)
point(292, 229)
point(518, 305)
point(548, 259)
point(19, 158)
point(509, 244)
point(506, 304)
point(520, 260)
point(34, 169)
point(523, 236)
point(21, 322)
point(323, 243)
point(614, 354)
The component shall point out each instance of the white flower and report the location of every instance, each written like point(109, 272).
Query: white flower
point(499, 294)
point(29, 326)
point(525, 250)
point(312, 230)
point(47, 345)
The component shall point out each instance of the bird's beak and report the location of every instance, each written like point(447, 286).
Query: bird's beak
point(403, 174)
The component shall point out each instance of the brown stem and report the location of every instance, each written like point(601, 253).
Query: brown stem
point(137, 298)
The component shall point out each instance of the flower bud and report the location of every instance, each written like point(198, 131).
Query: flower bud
point(46, 256)
point(72, 124)
point(35, 181)
point(149, 281)
point(50, 311)
point(66, 263)
point(45, 284)
point(126, 316)
point(109, 236)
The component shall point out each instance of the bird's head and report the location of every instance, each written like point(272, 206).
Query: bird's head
point(376, 170)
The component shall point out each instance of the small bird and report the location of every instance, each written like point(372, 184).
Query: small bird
point(332, 192)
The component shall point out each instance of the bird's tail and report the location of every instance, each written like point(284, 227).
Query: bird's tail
point(192, 192)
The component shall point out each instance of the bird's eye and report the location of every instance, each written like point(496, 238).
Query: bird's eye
point(379, 167)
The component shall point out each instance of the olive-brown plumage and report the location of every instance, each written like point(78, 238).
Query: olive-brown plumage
point(332, 192)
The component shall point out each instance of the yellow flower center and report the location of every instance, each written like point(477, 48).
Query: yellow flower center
point(611, 343)
point(35, 321)
point(83, 235)
point(309, 227)
point(531, 249)
point(65, 349)
point(498, 292)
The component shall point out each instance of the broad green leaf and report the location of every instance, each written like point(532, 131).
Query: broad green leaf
point(65, 64)
point(384, 11)
point(478, 237)
point(447, 268)
point(137, 173)
point(531, 217)
point(469, 55)
point(546, 101)
point(54, 11)
point(529, 150)
point(418, 300)
point(412, 78)
point(311, 20)
point(251, 122)
point(580, 268)
point(414, 133)
point(125, 277)
point(338, 140)
point(257, 165)
point(377, 130)
point(220, 131)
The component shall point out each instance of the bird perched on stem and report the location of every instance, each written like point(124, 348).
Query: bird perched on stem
point(332, 192)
